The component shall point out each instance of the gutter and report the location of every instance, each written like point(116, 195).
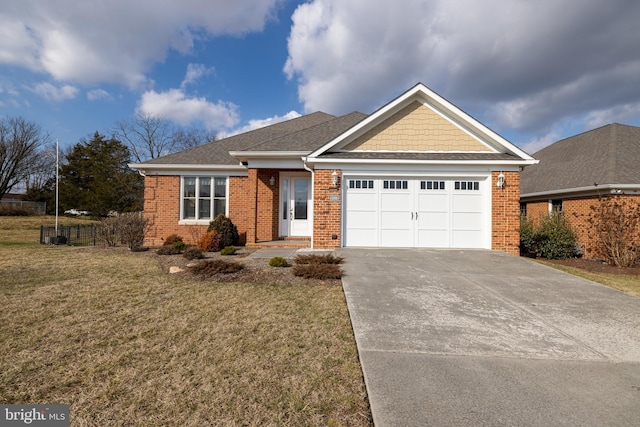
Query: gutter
point(591, 189)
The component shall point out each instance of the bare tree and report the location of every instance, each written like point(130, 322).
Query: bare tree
point(20, 141)
point(192, 137)
point(149, 137)
point(42, 168)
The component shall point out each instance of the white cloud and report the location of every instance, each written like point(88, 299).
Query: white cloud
point(98, 94)
point(195, 72)
point(516, 65)
point(175, 105)
point(260, 123)
point(116, 41)
point(55, 93)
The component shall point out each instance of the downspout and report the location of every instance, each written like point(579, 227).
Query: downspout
point(313, 197)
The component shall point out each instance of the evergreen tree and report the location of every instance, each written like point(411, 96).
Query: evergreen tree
point(96, 178)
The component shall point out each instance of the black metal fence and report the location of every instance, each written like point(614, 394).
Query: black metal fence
point(76, 235)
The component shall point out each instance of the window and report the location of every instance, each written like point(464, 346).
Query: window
point(467, 185)
point(361, 183)
point(432, 185)
point(523, 209)
point(555, 205)
point(395, 185)
point(203, 197)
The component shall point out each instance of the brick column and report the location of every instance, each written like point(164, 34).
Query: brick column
point(505, 213)
point(251, 205)
point(327, 209)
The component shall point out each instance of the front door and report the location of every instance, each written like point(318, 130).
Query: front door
point(295, 205)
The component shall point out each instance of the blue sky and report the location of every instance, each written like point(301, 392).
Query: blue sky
point(529, 70)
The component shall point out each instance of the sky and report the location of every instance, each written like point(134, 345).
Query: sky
point(532, 71)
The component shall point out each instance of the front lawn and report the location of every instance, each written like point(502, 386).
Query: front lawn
point(107, 332)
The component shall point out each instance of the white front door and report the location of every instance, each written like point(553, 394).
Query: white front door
point(295, 205)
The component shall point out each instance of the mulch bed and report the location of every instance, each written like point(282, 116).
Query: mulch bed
point(255, 270)
point(595, 266)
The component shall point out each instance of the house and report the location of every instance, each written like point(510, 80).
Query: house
point(575, 173)
point(418, 172)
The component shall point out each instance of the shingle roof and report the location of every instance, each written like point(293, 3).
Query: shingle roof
point(217, 152)
point(310, 138)
point(607, 155)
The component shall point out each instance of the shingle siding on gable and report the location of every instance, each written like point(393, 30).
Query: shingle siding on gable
point(416, 128)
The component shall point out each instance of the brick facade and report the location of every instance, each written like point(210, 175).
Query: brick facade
point(578, 211)
point(253, 205)
point(326, 212)
point(505, 213)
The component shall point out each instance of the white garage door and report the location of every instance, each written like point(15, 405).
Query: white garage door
point(416, 212)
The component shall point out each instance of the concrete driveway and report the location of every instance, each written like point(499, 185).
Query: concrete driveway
point(482, 338)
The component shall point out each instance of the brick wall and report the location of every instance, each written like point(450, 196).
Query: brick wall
point(268, 197)
point(162, 207)
point(578, 211)
point(326, 213)
point(505, 213)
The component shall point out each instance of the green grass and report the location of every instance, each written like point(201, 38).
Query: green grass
point(623, 282)
point(107, 332)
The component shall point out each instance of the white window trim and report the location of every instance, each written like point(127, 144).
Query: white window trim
point(181, 200)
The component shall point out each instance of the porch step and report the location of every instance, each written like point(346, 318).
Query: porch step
point(285, 242)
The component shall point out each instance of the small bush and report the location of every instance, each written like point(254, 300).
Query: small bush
point(193, 253)
point(318, 271)
point(318, 259)
point(132, 228)
point(179, 245)
point(278, 261)
point(229, 250)
point(226, 229)
point(171, 239)
point(107, 232)
point(168, 250)
point(552, 238)
point(215, 266)
point(210, 242)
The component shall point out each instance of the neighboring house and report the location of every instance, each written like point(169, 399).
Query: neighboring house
point(418, 172)
point(576, 172)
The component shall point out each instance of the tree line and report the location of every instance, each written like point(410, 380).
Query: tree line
point(93, 174)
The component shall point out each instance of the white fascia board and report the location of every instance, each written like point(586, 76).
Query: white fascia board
point(245, 156)
point(591, 190)
point(183, 169)
point(294, 163)
point(496, 163)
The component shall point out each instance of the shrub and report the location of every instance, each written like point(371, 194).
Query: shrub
point(229, 250)
point(168, 250)
point(226, 229)
point(193, 253)
point(132, 227)
point(278, 261)
point(318, 271)
point(107, 232)
point(616, 222)
point(171, 239)
point(527, 237)
point(215, 266)
point(318, 259)
point(553, 238)
point(557, 239)
point(210, 242)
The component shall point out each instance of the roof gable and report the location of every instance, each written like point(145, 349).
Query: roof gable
point(603, 157)
point(416, 128)
point(427, 123)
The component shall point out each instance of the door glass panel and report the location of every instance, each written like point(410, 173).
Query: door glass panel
point(301, 192)
point(285, 199)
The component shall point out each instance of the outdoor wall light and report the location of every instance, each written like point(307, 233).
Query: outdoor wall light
point(500, 182)
point(272, 181)
point(334, 178)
